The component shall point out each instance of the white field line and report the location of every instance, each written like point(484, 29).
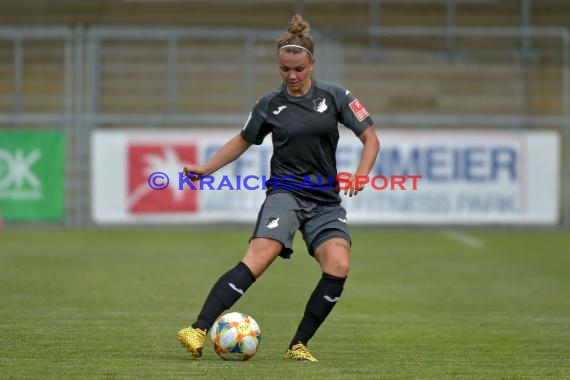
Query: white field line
point(463, 238)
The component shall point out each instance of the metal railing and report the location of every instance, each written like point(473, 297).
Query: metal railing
point(173, 77)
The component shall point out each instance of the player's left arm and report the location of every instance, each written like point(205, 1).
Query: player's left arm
point(368, 156)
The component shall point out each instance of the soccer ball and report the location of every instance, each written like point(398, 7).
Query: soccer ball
point(236, 336)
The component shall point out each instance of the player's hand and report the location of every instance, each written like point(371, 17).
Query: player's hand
point(355, 186)
point(194, 171)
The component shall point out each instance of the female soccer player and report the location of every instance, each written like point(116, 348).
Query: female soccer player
point(302, 115)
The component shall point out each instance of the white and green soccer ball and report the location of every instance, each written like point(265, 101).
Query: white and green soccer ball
point(236, 336)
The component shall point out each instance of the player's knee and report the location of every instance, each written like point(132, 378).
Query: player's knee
point(260, 255)
point(342, 268)
point(338, 268)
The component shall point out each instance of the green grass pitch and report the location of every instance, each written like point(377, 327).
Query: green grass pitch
point(418, 304)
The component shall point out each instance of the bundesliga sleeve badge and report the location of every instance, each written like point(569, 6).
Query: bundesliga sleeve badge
point(359, 110)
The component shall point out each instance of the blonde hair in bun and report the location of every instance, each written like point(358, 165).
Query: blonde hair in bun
point(297, 38)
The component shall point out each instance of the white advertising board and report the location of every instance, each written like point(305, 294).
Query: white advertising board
point(467, 177)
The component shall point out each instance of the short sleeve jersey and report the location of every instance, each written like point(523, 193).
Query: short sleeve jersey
point(305, 136)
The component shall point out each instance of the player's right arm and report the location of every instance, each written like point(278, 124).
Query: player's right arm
point(230, 151)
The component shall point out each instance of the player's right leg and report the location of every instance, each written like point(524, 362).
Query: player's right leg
point(228, 290)
point(273, 236)
point(193, 339)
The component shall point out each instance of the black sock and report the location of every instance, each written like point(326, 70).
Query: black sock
point(225, 292)
point(320, 304)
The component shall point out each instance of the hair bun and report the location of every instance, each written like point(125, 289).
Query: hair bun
point(298, 26)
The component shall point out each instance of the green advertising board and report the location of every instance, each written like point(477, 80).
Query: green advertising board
point(32, 175)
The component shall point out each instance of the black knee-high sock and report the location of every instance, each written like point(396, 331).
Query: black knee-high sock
point(320, 304)
point(225, 292)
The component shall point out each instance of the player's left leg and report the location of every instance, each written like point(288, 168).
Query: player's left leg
point(333, 256)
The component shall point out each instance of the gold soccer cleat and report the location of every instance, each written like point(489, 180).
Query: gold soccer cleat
point(193, 340)
point(300, 352)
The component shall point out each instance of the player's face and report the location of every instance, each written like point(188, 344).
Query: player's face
point(295, 70)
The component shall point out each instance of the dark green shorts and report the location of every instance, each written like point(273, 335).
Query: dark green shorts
point(282, 214)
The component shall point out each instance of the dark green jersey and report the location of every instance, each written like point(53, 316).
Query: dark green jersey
point(305, 135)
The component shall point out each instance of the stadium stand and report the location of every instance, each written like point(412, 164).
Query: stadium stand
point(410, 74)
point(138, 68)
point(263, 14)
